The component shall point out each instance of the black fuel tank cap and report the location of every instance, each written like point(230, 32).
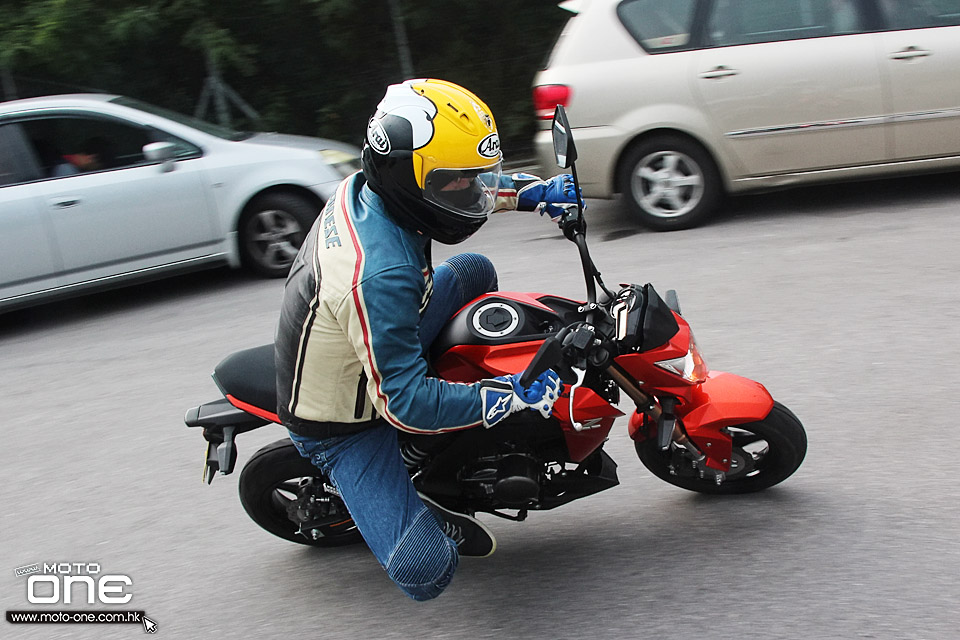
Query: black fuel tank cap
point(495, 319)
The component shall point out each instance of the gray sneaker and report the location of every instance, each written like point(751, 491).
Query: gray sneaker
point(470, 535)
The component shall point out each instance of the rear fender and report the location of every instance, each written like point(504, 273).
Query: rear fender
point(722, 400)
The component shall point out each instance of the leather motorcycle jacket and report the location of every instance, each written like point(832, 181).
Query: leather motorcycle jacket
point(347, 345)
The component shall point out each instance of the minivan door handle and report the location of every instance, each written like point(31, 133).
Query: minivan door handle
point(721, 71)
point(909, 53)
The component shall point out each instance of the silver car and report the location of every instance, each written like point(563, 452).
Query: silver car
point(677, 102)
point(99, 190)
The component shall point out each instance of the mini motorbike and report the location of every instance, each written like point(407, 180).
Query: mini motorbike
point(705, 431)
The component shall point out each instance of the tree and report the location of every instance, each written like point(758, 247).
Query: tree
point(315, 67)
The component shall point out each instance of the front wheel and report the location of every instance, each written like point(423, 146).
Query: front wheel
point(764, 453)
point(289, 497)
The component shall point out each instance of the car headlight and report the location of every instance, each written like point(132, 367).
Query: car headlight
point(344, 163)
point(690, 367)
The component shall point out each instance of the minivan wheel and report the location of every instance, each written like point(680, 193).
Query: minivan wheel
point(670, 183)
point(271, 231)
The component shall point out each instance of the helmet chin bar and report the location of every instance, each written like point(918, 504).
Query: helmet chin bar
point(425, 218)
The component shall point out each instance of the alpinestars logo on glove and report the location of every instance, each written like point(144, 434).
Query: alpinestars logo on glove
point(502, 406)
point(497, 398)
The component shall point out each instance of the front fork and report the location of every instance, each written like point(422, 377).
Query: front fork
point(697, 424)
point(659, 413)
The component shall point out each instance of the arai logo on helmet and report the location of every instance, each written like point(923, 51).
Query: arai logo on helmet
point(489, 147)
point(377, 137)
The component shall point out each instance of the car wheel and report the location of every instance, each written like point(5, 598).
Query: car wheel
point(271, 231)
point(670, 183)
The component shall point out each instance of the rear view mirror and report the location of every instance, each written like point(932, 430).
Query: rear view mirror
point(563, 147)
point(161, 152)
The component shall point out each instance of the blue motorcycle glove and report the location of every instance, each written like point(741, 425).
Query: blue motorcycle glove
point(504, 395)
point(532, 192)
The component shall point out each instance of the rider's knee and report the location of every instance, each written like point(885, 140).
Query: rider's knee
point(423, 562)
point(475, 273)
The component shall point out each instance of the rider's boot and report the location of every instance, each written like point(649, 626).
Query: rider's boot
point(470, 535)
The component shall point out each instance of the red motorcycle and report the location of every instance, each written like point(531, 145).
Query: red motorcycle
point(706, 431)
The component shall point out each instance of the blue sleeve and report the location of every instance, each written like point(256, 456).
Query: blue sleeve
point(381, 316)
point(510, 186)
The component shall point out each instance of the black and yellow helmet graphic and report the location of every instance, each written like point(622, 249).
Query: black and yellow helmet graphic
point(432, 152)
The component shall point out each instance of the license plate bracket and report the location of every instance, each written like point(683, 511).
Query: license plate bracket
point(221, 453)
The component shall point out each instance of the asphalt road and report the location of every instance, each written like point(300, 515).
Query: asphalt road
point(841, 300)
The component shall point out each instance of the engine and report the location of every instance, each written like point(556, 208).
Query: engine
point(512, 480)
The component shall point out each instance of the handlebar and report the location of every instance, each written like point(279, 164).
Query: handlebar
point(571, 349)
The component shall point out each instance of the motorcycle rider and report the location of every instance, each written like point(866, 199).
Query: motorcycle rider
point(362, 303)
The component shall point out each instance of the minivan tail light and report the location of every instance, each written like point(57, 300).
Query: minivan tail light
point(546, 97)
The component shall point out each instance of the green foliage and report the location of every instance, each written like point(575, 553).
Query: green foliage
point(316, 67)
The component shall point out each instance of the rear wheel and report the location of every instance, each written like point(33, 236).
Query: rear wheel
point(289, 497)
point(764, 453)
point(670, 182)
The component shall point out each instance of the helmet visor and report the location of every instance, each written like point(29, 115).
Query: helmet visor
point(468, 192)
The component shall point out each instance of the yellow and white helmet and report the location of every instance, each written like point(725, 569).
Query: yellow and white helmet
point(432, 152)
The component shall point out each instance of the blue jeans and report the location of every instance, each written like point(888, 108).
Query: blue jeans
point(369, 473)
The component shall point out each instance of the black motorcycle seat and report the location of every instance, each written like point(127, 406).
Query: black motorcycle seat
point(250, 376)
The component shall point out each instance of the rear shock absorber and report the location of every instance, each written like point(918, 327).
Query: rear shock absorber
point(413, 456)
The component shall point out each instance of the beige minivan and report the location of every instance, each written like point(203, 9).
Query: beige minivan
point(677, 102)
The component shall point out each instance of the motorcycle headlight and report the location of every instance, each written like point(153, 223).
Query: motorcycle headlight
point(690, 367)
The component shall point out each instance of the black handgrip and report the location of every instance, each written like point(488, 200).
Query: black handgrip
point(550, 354)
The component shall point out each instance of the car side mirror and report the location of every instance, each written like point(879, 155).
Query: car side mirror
point(161, 152)
point(564, 150)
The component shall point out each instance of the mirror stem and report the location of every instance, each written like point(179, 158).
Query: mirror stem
point(588, 273)
point(576, 187)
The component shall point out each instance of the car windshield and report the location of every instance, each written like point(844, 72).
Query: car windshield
point(202, 125)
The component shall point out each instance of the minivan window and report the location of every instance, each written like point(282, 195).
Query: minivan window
point(734, 22)
point(658, 26)
point(919, 14)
